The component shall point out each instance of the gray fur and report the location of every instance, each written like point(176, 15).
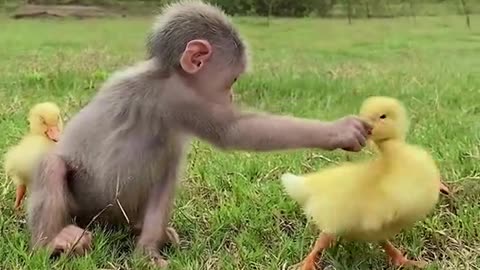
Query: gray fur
point(183, 21)
point(48, 195)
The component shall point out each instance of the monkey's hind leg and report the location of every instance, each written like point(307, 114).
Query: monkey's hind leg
point(155, 231)
point(49, 209)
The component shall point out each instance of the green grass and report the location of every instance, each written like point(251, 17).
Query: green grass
point(231, 211)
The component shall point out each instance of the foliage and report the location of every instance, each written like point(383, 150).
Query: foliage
point(279, 7)
point(295, 8)
point(292, 8)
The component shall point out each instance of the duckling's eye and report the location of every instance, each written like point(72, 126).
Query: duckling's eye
point(383, 116)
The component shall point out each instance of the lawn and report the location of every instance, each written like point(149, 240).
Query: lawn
point(231, 212)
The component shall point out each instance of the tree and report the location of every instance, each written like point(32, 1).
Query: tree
point(466, 11)
point(349, 10)
point(412, 8)
point(270, 6)
point(367, 8)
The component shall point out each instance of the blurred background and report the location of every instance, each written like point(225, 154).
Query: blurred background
point(350, 9)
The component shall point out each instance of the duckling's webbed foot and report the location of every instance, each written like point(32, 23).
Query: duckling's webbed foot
point(398, 259)
point(444, 189)
point(310, 262)
point(20, 194)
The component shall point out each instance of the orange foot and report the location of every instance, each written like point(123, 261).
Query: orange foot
point(20, 194)
point(444, 189)
point(310, 262)
point(397, 258)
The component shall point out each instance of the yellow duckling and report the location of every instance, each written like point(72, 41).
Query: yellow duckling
point(371, 200)
point(45, 127)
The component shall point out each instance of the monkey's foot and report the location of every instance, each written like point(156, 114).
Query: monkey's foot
point(71, 240)
point(172, 236)
point(397, 258)
point(153, 255)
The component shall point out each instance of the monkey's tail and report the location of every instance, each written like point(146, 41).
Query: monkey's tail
point(295, 187)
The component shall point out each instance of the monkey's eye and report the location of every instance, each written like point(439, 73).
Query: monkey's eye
point(383, 116)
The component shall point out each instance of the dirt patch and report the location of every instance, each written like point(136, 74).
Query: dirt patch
point(60, 11)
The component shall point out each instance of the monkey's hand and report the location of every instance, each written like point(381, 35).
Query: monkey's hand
point(151, 252)
point(171, 235)
point(349, 133)
point(72, 240)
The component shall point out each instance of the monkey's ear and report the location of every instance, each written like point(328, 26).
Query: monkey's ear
point(196, 54)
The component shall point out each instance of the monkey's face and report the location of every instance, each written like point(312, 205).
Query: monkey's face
point(212, 75)
point(218, 84)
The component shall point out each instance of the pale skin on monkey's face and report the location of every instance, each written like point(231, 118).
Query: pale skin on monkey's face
point(212, 80)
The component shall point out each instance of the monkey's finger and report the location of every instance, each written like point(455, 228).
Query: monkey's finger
point(357, 146)
point(80, 249)
point(354, 147)
point(361, 139)
point(58, 249)
point(87, 243)
point(60, 246)
point(365, 125)
point(366, 122)
point(87, 236)
point(60, 242)
point(83, 243)
point(351, 149)
point(361, 128)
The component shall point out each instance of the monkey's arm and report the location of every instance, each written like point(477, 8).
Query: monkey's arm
point(266, 132)
point(229, 129)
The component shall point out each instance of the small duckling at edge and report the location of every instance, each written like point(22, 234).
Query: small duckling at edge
point(45, 128)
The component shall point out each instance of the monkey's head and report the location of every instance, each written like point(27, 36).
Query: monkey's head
point(197, 41)
point(45, 120)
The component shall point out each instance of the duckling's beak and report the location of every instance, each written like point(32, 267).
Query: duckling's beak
point(20, 193)
point(53, 133)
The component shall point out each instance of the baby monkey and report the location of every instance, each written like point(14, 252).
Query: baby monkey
point(121, 155)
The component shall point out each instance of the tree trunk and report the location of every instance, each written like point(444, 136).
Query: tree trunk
point(269, 15)
point(412, 9)
point(367, 8)
point(349, 11)
point(466, 12)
